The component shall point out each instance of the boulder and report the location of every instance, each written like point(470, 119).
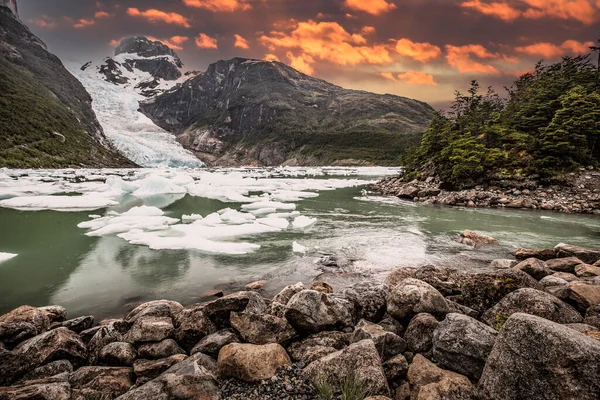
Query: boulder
point(191, 325)
point(150, 329)
point(475, 239)
point(534, 358)
point(586, 329)
point(552, 281)
point(419, 333)
point(146, 370)
point(54, 313)
point(460, 309)
point(544, 254)
point(57, 344)
point(318, 345)
point(261, 328)
point(592, 316)
point(395, 368)
point(287, 292)
point(587, 271)
point(428, 381)
point(256, 285)
point(566, 264)
point(446, 280)
point(588, 256)
point(412, 296)
point(119, 354)
point(503, 263)
point(369, 300)
point(109, 333)
point(322, 287)
point(158, 308)
point(49, 370)
point(192, 378)
point(391, 325)
point(88, 334)
point(580, 295)
point(310, 311)
point(45, 389)
point(462, 344)
point(22, 323)
point(534, 267)
point(212, 344)
point(388, 344)
point(162, 349)
point(360, 358)
point(408, 192)
point(219, 310)
point(251, 363)
point(101, 382)
point(481, 291)
point(534, 302)
point(79, 324)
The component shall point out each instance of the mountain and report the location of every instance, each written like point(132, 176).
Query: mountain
point(140, 68)
point(46, 118)
point(253, 112)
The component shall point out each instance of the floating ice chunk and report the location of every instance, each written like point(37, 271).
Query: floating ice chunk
point(284, 215)
point(182, 179)
point(234, 217)
point(58, 203)
point(274, 222)
point(292, 195)
point(263, 211)
point(117, 184)
point(94, 216)
point(298, 248)
point(6, 256)
point(191, 218)
point(269, 204)
point(143, 217)
point(302, 222)
point(211, 220)
point(143, 211)
point(156, 185)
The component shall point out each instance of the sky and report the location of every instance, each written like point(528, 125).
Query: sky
point(423, 49)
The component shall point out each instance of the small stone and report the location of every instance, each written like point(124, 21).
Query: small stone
point(256, 285)
point(322, 287)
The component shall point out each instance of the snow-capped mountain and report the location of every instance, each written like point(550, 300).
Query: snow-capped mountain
point(140, 69)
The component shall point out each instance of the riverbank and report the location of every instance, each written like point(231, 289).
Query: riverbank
point(424, 332)
point(579, 192)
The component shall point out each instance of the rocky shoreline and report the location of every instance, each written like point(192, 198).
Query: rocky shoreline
point(579, 192)
point(527, 327)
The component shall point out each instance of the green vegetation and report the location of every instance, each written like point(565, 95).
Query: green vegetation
point(353, 388)
point(38, 131)
point(548, 124)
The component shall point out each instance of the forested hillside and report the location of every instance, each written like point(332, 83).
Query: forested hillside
point(548, 124)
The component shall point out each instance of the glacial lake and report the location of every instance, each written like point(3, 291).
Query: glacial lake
point(241, 225)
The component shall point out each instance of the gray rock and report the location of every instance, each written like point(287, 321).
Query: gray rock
point(97, 382)
point(475, 239)
point(388, 344)
point(191, 325)
point(408, 192)
point(592, 316)
point(427, 381)
point(119, 354)
point(49, 370)
point(446, 280)
point(79, 324)
point(46, 389)
point(460, 309)
point(580, 295)
point(391, 325)
point(22, 323)
point(361, 358)
point(544, 254)
point(419, 333)
point(586, 255)
point(158, 308)
point(109, 333)
point(212, 343)
point(54, 313)
point(534, 267)
point(318, 345)
point(369, 299)
point(310, 312)
point(534, 358)
point(550, 281)
point(534, 302)
point(88, 334)
point(395, 368)
point(587, 271)
point(193, 378)
point(251, 363)
point(287, 292)
point(462, 344)
point(566, 264)
point(53, 345)
point(146, 370)
point(219, 310)
point(586, 329)
point(162, 349)
point(261, 328)
point(150, 329)
point(412, 296)
point(503, 264)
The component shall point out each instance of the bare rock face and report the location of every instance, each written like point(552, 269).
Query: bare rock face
point(22, 323)
point(261, 328)
point(12, 5)
point(212, 344)
point(46, 389)
point(413, 296)
point(534, 302)
point(94, 382)
point(310, 311)
point(361, 358)
point(251, 363)
point(318, 345)
point(428, 381)
point(534, 358)
point(463, 344)
point(588, 256)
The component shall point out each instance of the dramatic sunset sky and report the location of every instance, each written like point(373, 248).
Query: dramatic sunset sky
point(423, 49)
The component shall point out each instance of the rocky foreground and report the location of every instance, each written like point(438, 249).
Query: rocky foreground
point(578, 193)
point(527, 328)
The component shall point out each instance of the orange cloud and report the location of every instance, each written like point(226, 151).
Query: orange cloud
point(549, 50)
point(174, 42)
point(388, 75)
point(417, 78)
point(461, 58)
point(153, 15)
point(102, 14)
point(219, 5)
point(375, 7)
point(271, 57)
point(499, 10)
point(114, 43)
point(204, 41)
point(240, 42)
point(327, 41)
point(302, 63)
point(419, 51)
point(44, 21)
point(84, 23)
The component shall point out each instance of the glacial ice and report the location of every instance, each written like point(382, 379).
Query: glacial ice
point(302, 222)
point(58, 203)
point(156, 184)
point(143, 217)
point(298, 248)
point(6, 256)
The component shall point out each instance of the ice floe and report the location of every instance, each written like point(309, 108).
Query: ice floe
point(58, 203)
point(298, 248)
point(302, 222)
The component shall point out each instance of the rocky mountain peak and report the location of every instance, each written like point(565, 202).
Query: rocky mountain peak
point(145, 47)
point(12, 5)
